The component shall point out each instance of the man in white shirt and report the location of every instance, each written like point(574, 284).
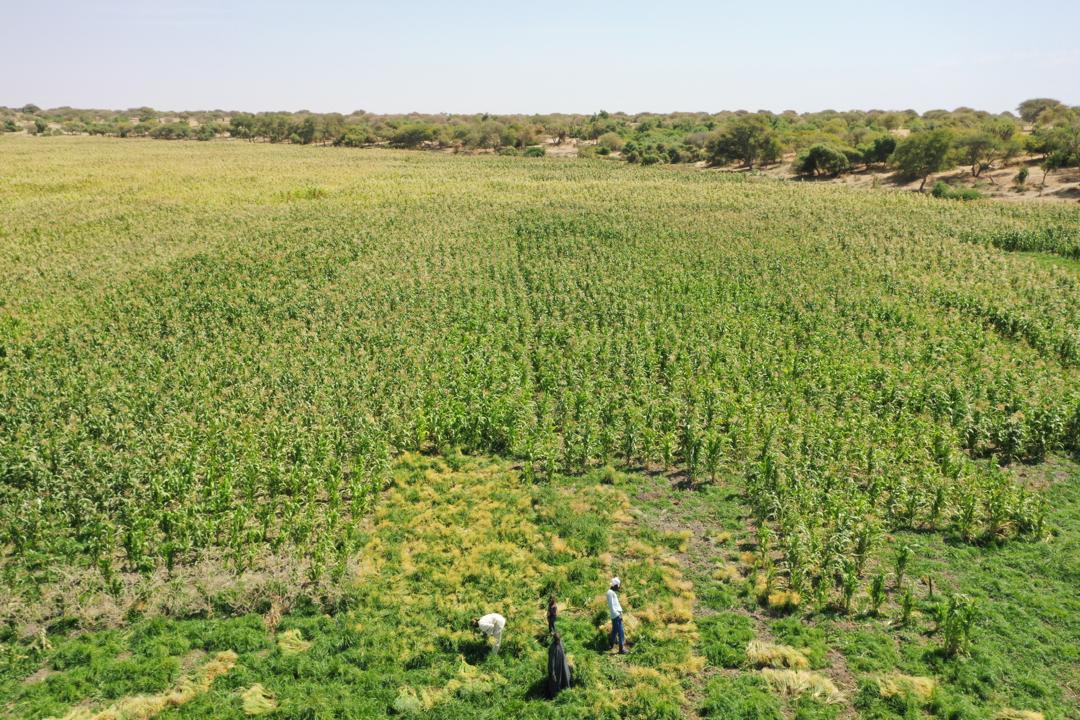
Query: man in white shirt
point(615, 611)
point(492, 625)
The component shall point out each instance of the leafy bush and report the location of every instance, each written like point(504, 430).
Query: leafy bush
point(356, 136)
point(206, 132)
point(879, 150)
point(750, 140)
point(610, 142)
point(172, 131)
point(947, 192)
point(534, 151)
point(823, 160)
point(411, 136)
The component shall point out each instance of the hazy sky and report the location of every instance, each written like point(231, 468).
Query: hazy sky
point(482, 55)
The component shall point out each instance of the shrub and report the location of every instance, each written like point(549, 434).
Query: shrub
point(944, 191)
point(879, 150)
point(750, 140)
point(172, 131)
point(411, 136)
point(823, 159)
point(534, 151)
point(356, 136)
point(610, 142)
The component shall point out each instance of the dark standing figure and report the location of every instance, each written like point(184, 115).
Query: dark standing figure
point(552, 613)
point(558, 671)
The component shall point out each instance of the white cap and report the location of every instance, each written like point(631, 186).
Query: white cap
point(615, 581)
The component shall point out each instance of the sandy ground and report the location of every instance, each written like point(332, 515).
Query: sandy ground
point(998, 183)
point(567, 148)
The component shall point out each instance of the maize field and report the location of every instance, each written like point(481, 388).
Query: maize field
point(225, 346)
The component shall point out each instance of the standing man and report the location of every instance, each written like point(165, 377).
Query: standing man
point(615, 611)
point(558, 671)
point(491, 625)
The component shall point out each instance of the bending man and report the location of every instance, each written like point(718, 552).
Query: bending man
point(491, 625)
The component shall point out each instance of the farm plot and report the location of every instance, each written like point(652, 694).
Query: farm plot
point(211, 356)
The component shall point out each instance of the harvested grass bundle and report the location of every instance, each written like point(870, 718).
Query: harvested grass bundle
point(728, 573)
point(1011, 714)
point(764, 654)
point(291, 642)
point(407, 703)
point(257, 701)
point(897, 684)
point(784, 600)
point(719, 538)
point(143, 707)
point(794, 683)
point(561, 547)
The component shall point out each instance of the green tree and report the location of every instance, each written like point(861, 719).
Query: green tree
point(356, 135)
point(242, 125)
point(1030, 110)
point(306, 132)
point(877, 150)
point(412, 135)
point(1059, 146)
point(750, 140)
point(978, 148)
point(923, 153)
point(822, 159)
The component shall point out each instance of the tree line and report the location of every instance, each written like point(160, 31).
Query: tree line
point(826, 143)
